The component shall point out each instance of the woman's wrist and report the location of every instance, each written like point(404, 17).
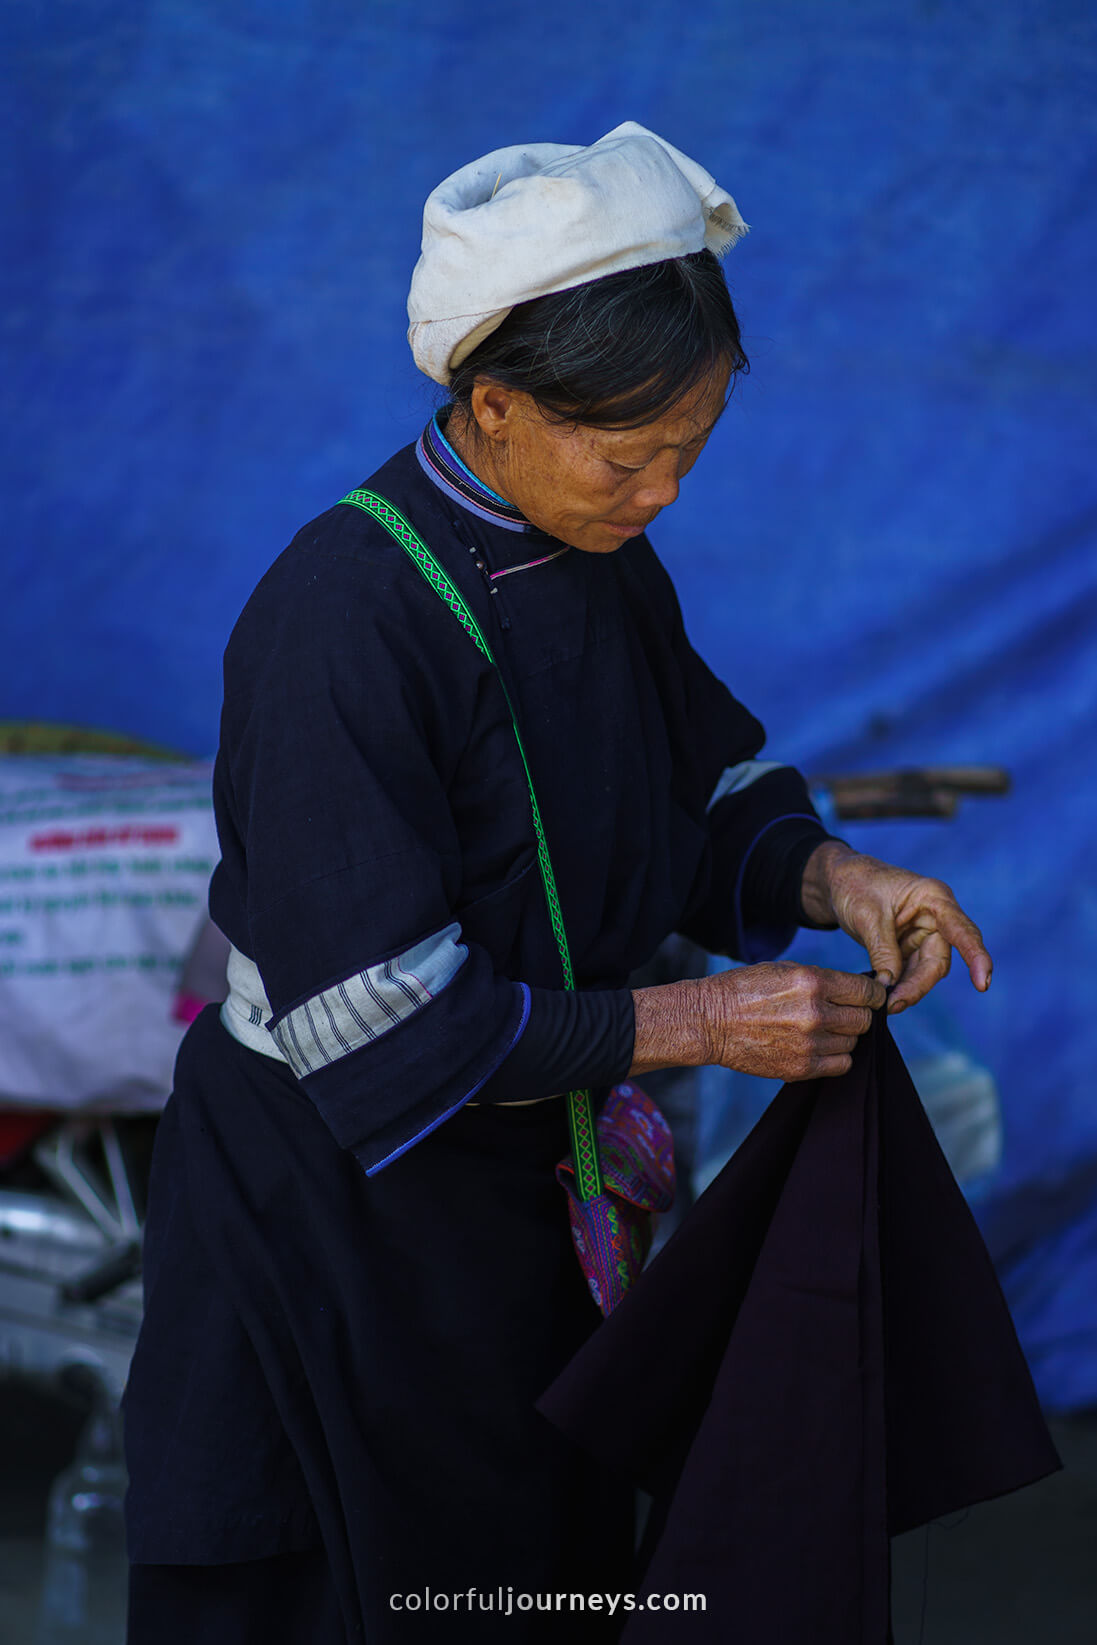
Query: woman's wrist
point(671, 1027)
point(816, 898)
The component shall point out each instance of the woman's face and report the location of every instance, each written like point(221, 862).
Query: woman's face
point(593, 488)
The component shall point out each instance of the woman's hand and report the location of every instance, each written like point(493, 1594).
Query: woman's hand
point(908, 924)
point(778, 1020)
point(788, 1022)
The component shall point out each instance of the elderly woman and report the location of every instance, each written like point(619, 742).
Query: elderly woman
point(360, 1273)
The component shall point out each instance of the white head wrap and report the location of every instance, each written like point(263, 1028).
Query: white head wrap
point(542, 217)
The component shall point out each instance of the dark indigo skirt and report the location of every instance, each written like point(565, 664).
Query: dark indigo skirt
point(337, 1374)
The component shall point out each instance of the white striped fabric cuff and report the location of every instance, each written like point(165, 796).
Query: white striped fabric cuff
point(350, 1014)
point(735, 777)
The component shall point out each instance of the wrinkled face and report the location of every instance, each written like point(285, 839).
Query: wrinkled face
point(593, 488)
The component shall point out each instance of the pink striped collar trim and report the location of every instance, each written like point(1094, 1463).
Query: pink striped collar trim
point(509, 570)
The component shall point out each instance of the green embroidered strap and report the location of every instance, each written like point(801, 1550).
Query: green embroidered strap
point(584, 1146)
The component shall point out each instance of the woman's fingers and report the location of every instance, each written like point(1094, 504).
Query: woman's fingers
point(926, 965)
point(967, 939)
point(836, 1045)
point(940, 927)
point(850, 988)
point(834, 1010)
point(882, 944)
point(849, 1019)
point(831, 1067)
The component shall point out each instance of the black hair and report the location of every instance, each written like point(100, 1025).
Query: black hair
point(618, 352)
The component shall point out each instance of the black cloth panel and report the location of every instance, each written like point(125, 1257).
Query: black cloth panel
point(820, 1358)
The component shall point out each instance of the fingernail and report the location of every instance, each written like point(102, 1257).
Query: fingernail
point(885, 977)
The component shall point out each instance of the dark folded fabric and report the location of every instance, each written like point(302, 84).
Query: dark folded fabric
point(819, 1358)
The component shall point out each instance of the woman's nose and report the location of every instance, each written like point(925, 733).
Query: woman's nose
point(660, 485)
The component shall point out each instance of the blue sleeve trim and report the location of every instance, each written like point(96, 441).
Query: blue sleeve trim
point(371, 1170)
point(764, 943)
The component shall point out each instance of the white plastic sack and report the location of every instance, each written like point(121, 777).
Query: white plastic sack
point(104, 869)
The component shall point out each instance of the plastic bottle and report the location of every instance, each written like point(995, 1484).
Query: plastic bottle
point(84, 1585)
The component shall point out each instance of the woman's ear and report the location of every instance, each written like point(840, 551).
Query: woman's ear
point(494, 408)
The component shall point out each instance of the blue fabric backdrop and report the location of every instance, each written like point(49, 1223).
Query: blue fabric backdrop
point(211, 211)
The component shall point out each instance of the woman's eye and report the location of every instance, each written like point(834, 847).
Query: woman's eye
point(623, 468)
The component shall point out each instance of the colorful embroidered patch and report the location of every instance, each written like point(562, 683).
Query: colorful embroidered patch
point(612, 1231)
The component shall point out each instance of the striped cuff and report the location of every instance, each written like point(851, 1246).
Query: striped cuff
point(352, 1013)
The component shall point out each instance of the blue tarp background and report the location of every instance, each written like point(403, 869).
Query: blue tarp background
point(211, 210)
